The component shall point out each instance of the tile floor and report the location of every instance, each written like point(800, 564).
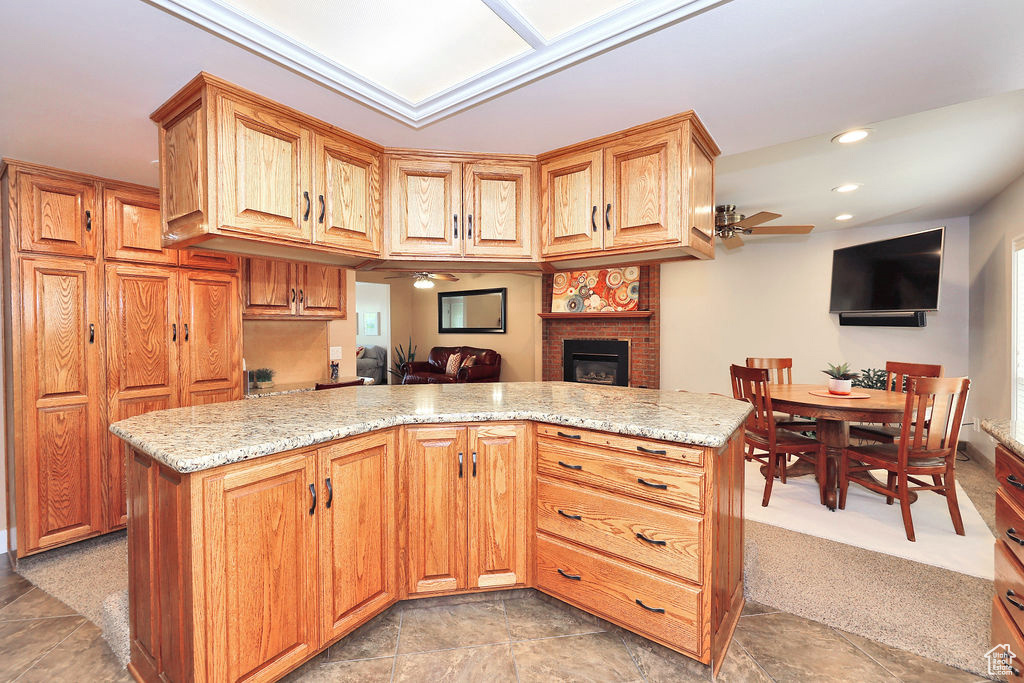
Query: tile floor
point(511, 636)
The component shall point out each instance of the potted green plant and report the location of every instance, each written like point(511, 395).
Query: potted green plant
point(264, 377)
point(840, 379)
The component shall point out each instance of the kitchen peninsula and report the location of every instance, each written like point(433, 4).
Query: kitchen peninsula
point(262, 531)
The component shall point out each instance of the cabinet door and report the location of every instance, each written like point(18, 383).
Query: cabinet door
point(58, 215)
point(498, 505)
point(702, 191)
point(142, 359)
point(436, 498)
point(347, 178)
point(643, 190)
point(261, 598)
point(358, 571)
point(131, 227)
point(269, 288)
point(212, 260)
point(426, 206)
point(265, 165)
point(498, 210)
point(321, 290)
point(571, 200)
point(63, 445)
point(210, 337)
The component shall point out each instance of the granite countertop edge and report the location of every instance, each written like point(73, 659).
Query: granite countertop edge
point(1002, 430)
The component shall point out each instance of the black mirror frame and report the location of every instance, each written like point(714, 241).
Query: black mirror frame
point(441, 296)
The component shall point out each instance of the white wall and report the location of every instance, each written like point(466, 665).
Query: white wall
point(771, 298)
point(993, 229)
point(373, 297)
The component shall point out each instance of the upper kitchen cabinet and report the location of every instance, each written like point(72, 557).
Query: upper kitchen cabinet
point(240, 173)
point(425, 201)
point(59, 213)
point(131, 226)
point(647, 192)
point(284, 289)
point(497, 200)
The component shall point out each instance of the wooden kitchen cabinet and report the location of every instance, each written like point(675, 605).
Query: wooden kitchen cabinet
point(282, 289)
point(701, 204)
point(210, 334)
point(58, 213)
point(425, 200)
point(348, 208)
point(358, 549)
point(131, 226)
point(212, 260)
point(643, 185)
point(463, 486)
point(59, 479)
point(571, 198)
point(498, 207)
point(261, 571)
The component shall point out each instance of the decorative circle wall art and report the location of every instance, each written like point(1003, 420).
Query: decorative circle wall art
point(588, 291)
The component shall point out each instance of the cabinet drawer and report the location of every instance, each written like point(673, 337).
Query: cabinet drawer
point(1010, 524)
point(614, 590)
point(693, 455)
point(1010, 583)
point(619, 526)
point(1010, 474)
point(637, 477)
point(1005, 633)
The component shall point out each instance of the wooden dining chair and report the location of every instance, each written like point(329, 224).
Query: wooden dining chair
point(751, 384)
point(780, 371)
point(926, 447)
point(896, 376)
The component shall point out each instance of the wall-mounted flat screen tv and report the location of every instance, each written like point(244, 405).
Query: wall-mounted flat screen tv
point(900, 274)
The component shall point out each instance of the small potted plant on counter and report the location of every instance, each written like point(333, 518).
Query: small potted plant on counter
point(840, 379)
point(264, 377)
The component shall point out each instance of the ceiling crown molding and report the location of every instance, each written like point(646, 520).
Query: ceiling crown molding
point(630, 22)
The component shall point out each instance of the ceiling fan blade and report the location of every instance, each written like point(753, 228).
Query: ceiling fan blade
point(782, 230)
point(732, 242)
point(443, 276)
point(400, 277)
point(757, 219)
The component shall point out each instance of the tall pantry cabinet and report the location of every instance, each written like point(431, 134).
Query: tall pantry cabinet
point(100, 323)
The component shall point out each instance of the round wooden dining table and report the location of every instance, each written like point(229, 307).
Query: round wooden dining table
point(833, 416)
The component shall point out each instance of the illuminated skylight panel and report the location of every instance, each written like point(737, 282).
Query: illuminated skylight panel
point(552, 18)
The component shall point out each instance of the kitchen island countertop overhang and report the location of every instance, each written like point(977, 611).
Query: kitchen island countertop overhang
point(201, 437)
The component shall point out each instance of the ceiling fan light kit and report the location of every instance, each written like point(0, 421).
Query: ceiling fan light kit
point(423, 279)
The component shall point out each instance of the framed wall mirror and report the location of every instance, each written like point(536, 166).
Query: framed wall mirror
point(475, 310)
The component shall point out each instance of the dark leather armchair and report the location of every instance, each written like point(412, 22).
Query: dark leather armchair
point(486, 368)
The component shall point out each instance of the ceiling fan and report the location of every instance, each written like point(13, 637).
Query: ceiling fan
point(423, 279)
point(729, 225)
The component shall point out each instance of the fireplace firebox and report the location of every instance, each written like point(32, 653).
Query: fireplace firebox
point(596, 361)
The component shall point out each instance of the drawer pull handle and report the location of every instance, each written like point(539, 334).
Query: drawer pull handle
point(1013, 481)
point(574, 577)
point(569, 436)
point(649, 540)
point(652, 451)
point(1016, 603)
point(1011, 534)
point(640, 480)
point(657, 610)
point(567, 515)
point(570, 467)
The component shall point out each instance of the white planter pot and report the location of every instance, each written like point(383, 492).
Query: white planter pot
point(841, 387)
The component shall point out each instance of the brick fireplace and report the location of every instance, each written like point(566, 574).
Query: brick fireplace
point(642, 333)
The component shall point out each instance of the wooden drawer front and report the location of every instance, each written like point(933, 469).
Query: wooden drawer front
point(1010, 474)
point(1010, 583)
point(1010, 524)
point(693, 455)
point(647, 479)
point(611, 589)
point(1005, 633)
point(614, 525)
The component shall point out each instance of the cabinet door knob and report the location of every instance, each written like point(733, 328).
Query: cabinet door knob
point(593, 217)
point(323, 209)
point(460, 464)
point(305, 216)
point(293, 295)
point(88, 221)
point(174, 332)
point(455, 223)
point(312, 492)
point(469, 226)
point(474, 463)
point(607, 220)
point(186, 331)
point(302, 297)
point(330, 492)
point(92, 333)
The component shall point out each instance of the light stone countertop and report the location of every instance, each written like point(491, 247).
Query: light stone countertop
point(279, 389)
point(1007, 432)
point(201, 437)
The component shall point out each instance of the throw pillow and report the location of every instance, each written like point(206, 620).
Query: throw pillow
point(452, 368)
point(360, 351)
point(468, 361)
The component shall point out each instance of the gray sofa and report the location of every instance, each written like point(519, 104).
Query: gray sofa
point(373, 364)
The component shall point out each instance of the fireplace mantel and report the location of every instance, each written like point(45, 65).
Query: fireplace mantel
point(596, 314)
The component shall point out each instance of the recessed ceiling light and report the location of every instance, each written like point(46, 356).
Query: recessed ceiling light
point(855, 135)
point(847, 187)
point(844, 216)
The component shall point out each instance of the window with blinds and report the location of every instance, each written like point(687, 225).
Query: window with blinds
point(1018, 329)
